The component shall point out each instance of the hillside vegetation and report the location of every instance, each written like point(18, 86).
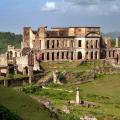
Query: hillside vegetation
point(18, 106)
point(7, 38)
point(103, 91)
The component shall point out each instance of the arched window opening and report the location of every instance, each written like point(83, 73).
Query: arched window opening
point(11, 54)
point(42, 56)
point(79, 55)
point(53, 56)
point(48, 56)
point(57, 55)
point(96, 55)
point(71, 55)
point(79, 43)
point(91, 55)
point(62, 55)
point(52, 43)
point(48, 42)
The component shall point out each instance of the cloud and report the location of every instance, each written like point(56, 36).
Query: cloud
point(96, 7)
point(49, 6)
point(89, 2)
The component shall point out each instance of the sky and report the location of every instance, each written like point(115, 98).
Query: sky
point(16, 14)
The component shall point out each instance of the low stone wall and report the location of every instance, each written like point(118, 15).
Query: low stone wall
point(14, 82)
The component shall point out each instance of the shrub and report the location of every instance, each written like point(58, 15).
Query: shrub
point(31, 89)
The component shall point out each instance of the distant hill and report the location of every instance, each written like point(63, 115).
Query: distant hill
point(113, 35)
point(7, 38)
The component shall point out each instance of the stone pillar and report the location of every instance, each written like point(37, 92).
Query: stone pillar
point(98, 44)
point(98, 55)
point(54, 77)
point(15, 69)
point(69, 55)
point(77, 96)
point(0, 72)
point(50, 44)
point(117, 42)
point(30, 74)
point(74, 55)
point(45, 56)
point(65, 55)
point(107, 54)
point(93, 55)
point(89, 44)
point(118, 58)
point(50, 56)
point(60, 55)
point(24, 72)
point(55, 44)
point(55, 56)
point(89, 55)
point(5, 83)
point(7, 71)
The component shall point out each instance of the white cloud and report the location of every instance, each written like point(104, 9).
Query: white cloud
point(95, 7)
point(49, 6)
point(90, 2)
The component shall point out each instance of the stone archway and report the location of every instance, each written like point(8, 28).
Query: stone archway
point(25, 71)
point(10, 55)
point(91, 55)
point(53, 56)
point(79, 55)
point(96, 54)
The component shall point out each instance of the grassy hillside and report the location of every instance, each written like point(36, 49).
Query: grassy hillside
point(7, 38)
point(23, 106)
point(104, 91)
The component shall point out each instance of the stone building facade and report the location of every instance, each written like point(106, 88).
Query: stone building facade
point(63, 44)
point(59, 44)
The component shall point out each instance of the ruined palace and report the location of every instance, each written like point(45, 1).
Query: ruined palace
point(60, 44)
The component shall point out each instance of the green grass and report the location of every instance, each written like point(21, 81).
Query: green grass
point(2, 78)
point(11, 76)
point(70, 66)
point(23, 105)
point(104, 91)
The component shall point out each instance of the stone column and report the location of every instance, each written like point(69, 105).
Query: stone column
point(30, 74)
point(74, 55)
point(60, 55)
point(93, 55)
point(98, 44)
point(55, 56)
point(50, 44)
point(117, 42)
point(98, 55)
point(118, 58)
point(24, 71)
point(89, 55)
point(7, 71)
point(50, 56)
point(45, 56)
point(15, 69)
point(0, 72)
point(54, 77)
point(69, 55)
point(65, 55)
point(77, 96)
point(5, 83)
point(89, 44)
point(107, 54)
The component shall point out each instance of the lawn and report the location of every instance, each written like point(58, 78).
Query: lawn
point(104, 91)
point(23, 106)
